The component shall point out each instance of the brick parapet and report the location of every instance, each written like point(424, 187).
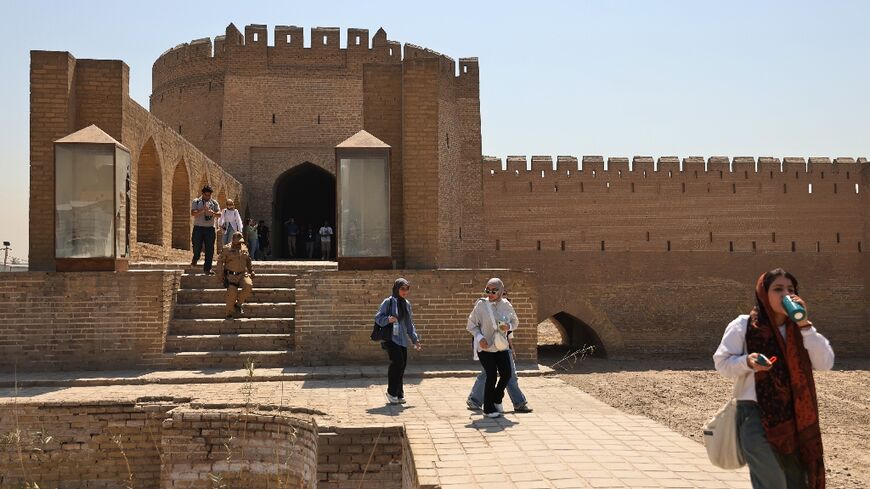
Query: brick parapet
point(335, 312)
point(85, 321)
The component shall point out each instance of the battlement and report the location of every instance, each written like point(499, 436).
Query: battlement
point(719, 167)
point(288, 43)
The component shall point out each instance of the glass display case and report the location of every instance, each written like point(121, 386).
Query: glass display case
point(92, 195)
point(363, 193)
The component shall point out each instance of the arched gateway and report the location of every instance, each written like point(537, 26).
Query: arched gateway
point(305, 192)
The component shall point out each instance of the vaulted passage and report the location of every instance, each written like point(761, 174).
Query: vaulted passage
point(306, 193)
point(149, 196)
point(566, 333)
point(181, 207)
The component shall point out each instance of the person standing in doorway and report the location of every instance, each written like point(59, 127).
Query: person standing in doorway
point(309, 241)
point(325, 233)
point(205, 212)
point(252, 238)
point(265, 245)
point(292, 232)
point(230, 222)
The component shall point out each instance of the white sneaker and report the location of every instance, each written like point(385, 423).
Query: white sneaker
point(392, 399)
point(499, 408)
point(402, 400)
point(494, 414)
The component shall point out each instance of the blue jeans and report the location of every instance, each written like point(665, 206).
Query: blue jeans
point(767, 469)
point(513, 387)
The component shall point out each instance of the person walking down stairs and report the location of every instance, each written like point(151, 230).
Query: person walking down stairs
point(235, 269)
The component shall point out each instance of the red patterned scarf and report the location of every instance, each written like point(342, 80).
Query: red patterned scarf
point(787, 392)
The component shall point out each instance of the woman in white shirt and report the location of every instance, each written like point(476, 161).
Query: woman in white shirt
point(230, 222)
point(493, 316)
point(777, 409)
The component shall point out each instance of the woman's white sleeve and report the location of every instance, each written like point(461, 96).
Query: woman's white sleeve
point(819, 349)
point(730, 359)
point(473, 326)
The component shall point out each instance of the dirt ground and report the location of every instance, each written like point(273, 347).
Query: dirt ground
point(683, 394)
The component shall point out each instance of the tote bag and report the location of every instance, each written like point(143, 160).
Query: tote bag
point(720, 434)
point(500, 340)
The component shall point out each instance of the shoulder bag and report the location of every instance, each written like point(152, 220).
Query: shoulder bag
point(720, 434)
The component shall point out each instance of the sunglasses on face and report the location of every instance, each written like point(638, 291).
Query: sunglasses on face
point(491, 291)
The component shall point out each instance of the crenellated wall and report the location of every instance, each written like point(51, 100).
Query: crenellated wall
point(261, 107)
point(656, 257)
point(721, 204)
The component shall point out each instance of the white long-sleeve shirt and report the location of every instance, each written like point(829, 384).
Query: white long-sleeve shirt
point(730, 357)
point(481, 326)
point(233, 217)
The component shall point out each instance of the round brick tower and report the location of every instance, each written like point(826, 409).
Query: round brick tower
point(271, 116)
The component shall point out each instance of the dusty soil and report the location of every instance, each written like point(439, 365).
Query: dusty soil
point(683, 394)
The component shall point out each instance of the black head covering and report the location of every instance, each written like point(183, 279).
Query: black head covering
point(403, 304)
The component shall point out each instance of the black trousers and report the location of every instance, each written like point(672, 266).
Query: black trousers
point(203, 236)
point(398, 360)
point(495, 364)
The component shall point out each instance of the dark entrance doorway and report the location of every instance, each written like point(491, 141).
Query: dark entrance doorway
point(306, 193)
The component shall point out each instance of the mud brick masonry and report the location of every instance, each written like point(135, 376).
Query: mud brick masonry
point(635, 255)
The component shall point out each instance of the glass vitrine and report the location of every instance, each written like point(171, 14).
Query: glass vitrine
point(363, 228)
point(92, 195)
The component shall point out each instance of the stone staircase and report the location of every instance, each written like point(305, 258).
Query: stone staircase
point(199, 337)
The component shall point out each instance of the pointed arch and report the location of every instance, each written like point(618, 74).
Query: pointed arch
point(577, 334)
point(149, 195)
point(305, 192)
point(181, 207)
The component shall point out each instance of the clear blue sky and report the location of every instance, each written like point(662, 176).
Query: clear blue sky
point(613, 78)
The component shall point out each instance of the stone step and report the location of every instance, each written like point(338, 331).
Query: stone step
point(259, 266)
point(276, 310)
point(231, 326)
point(265, 280)
point(213, 295)
point(229, 342)
point(231, 359)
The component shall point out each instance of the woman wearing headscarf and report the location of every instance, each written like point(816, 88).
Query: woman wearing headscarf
point(395, 311)
point(230, 222)
point(492, 316)
point(777, 408)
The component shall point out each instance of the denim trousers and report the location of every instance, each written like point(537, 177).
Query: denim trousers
point(767, 469)
point(513, 387)
point(203, 237)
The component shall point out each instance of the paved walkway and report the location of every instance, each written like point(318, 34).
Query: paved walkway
point(571, 440)
point(216, 375)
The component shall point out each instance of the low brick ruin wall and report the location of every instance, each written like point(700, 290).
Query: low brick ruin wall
point(163, 443)
point(367, 457)
point(84, 320)
point(335, 312)
point(207, 449)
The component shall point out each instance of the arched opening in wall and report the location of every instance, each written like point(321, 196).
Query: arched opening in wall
point(181, 207)
point(306, 193)
point(149, 196)
point(563, 335)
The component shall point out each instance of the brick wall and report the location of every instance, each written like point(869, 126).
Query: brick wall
point(335, 313)
point(262, 107)
point(70, 445)
point(678, 303)
point(84, 321)
point(69, 94)
point(252, 450)
point(360, 457)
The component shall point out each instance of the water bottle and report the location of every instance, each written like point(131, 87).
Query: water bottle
point(794, 310)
